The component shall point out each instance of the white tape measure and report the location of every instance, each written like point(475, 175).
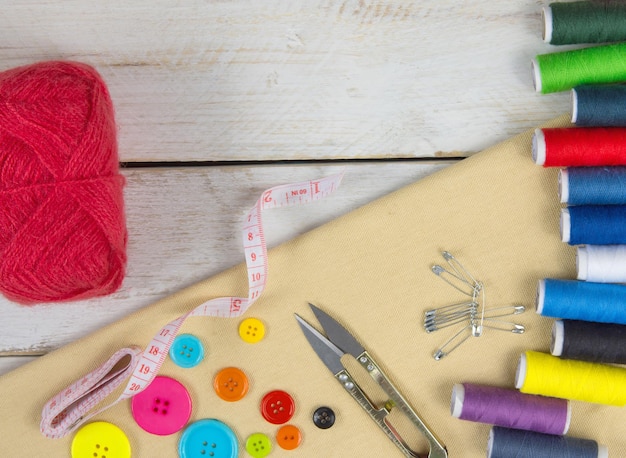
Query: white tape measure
point(79, 402)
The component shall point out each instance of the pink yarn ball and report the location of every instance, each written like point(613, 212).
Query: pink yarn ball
point(62, 227)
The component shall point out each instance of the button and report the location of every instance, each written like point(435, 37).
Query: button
point(252, 330)
point(208, 438)
point(258, 445)
point(186, 350)
point(231, 384)
point(100, 440)
point(277, 407)
point(289, 437)
point(324, 417)
point(163, 408)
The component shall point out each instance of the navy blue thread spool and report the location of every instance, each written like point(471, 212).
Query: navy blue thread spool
point(594, 225)
point(506, 443)
point(582, 300)
point(593, 185)
point(587, 341)
point(599, 105)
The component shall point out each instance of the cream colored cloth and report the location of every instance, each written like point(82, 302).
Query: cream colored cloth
point(497, 212)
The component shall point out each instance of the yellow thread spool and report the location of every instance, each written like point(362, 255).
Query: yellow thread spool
point(543, 374)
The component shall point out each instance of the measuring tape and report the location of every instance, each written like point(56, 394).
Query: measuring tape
point(78, 403)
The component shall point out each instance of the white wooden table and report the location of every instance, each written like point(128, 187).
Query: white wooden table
point(216, 101)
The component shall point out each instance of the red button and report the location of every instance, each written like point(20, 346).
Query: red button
point(277, 407)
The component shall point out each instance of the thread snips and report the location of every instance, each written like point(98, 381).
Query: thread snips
point(339, 343)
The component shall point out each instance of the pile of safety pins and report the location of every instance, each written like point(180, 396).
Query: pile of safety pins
point(472, 315)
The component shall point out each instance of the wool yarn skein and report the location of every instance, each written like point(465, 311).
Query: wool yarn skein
point(62, 227)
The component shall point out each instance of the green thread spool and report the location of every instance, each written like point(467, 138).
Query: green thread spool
point(584, 22)
point(562, 71)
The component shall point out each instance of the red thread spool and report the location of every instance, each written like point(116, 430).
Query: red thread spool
point(62, 227)
point(580, 146)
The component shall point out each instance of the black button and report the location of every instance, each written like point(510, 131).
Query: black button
point(324, 417)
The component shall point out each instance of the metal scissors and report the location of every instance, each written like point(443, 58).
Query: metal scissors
point(339, 343)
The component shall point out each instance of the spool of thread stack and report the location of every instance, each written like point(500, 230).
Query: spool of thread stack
point(507, 443)
point(582, 300)
point(510, 408)
point(601, 263)
point(586, 341)
point(584, 22)
point(594, 225)
point(562, 71)
point(600, 106)
point(579, 147)
point(546, 375)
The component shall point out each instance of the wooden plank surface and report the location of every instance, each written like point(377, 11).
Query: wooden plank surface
point(277, 80)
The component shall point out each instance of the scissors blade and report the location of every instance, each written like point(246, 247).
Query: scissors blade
point(325, 349)
point(337, 333)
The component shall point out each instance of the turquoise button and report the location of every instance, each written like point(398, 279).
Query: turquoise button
point(186, 351)
point(208, 438)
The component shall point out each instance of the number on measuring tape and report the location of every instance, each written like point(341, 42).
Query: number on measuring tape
point(77, 403)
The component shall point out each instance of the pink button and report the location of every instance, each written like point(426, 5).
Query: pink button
point(163, 408)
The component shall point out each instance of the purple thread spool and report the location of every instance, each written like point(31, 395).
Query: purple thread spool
point(510, 408)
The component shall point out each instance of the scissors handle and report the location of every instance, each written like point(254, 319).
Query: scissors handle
point(437, 450)
point(378, 415)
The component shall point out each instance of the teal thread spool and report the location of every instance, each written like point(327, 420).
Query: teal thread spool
point(584, 22)
point(562, 71)
point(599, 106)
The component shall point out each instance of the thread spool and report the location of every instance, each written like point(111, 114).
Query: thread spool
point(62, 226)
point(510, 408)
point(593, 225)
point(584, 22)
point(562, 71)
point(579, 146)
point(582, 300)
point(601, 263)
point(586, 341)
point(546, 375)
point(600, 106)
point(593, 185)
point(506, 443)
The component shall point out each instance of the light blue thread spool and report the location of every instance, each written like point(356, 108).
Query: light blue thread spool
point(593, 185)
point(582, 300)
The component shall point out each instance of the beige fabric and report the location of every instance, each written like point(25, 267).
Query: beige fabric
point(497, 212)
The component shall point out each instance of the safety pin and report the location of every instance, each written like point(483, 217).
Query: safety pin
point(441, 351)
point(510, 327)
point(459, 273)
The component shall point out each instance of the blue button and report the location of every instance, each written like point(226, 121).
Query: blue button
point(186, 350)
point(208, 438)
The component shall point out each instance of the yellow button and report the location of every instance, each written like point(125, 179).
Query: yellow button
point(100, 440)
point(252, 330)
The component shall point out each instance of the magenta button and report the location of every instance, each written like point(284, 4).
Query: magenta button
point(163, 408)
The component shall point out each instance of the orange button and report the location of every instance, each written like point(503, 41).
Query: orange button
point(289, 437)
point(231, 384)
